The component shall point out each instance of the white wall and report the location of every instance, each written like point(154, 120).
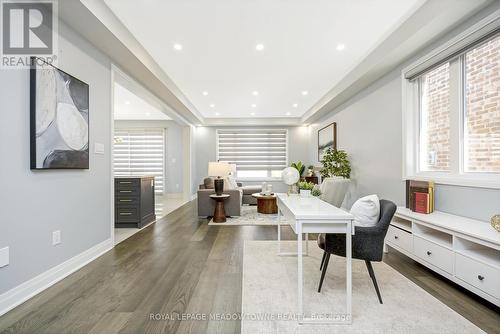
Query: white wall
point(174, 151)
point(35, 203)
point(369, 129)
point(205, 148)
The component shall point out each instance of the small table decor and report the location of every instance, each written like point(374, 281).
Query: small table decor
point(266, 204)
point(219, 212)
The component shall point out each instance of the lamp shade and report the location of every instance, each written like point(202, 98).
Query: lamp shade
point(290, 176)
point(218, 168)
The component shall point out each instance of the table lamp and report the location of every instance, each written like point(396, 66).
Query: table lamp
point(218, 169)
point(290, 176)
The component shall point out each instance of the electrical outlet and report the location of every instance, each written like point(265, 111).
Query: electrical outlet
point(56, 238)
point(4, 257)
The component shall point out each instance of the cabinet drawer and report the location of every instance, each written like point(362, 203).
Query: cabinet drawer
point(434, 254)
point(127, 192)
point(126, 184)
point(399, 238)
point(126, 200)
point(126, 214)
point(478, 274)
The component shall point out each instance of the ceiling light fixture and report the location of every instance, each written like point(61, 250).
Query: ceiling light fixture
point(340, 47)
point(288, 114)
point(254, 105)
point(127, 102)
point(252, 114)
point(177, 46)
point(305, 92)
point(259, 47)
point(205, 93)
point(148, 114)
point(295, 105)
point(212, 105)
point(255, 93)
point(217, 114)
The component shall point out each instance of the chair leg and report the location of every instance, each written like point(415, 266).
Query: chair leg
point(374, 280)
point(325, 266)
point(322, 261)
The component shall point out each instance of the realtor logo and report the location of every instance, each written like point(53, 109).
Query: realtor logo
point(28, 29)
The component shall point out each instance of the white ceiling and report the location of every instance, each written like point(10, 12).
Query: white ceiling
point(129, 106)
point(219, 56)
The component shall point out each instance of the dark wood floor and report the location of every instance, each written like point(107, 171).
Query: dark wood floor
point(183, 266)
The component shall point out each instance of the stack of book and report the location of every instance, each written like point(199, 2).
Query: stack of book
point(420, 196)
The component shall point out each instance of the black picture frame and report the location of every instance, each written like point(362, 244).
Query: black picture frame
point(327, 138)
point(78, 98)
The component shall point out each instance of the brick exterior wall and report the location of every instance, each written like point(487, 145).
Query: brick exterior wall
point(436, 105)
point(482, 129)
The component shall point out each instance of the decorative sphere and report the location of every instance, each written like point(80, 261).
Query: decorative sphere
point(290, 175)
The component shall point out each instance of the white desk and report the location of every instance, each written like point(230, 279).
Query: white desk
point(312, 215)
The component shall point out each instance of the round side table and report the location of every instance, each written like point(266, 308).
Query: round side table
point(219, 212)
point(266, 204)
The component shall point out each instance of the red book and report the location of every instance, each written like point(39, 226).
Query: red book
point(421, 202)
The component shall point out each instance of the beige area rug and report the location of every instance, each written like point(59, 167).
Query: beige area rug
point(270, 290)
point(250, 217)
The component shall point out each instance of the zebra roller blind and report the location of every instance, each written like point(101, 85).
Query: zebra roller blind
point(140, 151)
point(256, 152)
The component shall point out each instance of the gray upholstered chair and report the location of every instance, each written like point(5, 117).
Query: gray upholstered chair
point(367, 243)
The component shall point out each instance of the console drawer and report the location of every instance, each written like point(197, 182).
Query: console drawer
point(434, 254)
point(124, 214)
point(478, 274)
point(399, 238)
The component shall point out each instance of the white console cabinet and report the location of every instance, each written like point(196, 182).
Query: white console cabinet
point(464, 250)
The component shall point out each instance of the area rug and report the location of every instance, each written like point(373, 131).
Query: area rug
point(269, 297)
point(250, 216)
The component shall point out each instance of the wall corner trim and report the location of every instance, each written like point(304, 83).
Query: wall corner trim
point(21, 293)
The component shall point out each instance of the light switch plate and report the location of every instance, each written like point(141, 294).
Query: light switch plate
point(4, 257)
point(99, 148)
point(56, 237)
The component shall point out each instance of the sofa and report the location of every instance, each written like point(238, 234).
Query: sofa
point(238, 196)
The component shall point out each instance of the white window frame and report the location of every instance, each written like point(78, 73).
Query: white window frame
point(255, 179)
point(411, 119)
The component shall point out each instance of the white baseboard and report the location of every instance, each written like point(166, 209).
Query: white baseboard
point(34, 286)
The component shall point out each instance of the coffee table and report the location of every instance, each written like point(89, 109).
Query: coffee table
point(219, 212)
point(266, 204)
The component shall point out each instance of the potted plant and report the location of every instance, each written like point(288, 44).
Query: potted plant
point(316, 192)
point(335, 163)
point(305, 188)
point(299, 166)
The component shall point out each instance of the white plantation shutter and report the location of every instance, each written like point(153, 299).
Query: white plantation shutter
point(253, 149)
point(140, 151)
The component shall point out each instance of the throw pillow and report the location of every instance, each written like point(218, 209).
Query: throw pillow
point(366, 211)
point(208, 182)
point(232, 181)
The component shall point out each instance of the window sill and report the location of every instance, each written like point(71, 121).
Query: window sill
point(479, 181)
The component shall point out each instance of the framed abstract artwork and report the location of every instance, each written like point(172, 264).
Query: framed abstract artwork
point(327, 138)
point(59, 118)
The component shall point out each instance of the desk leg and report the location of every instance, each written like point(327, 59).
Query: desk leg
point(279, 231)
point(348, 248)
point(300, 278)
point(307, 243)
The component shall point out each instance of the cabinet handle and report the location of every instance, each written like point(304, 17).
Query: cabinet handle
point(125, 182)
point(396, 237)
point(429, 252)
point(480, 277)
point(125, 191)
point(125, 200)
point(125, 213)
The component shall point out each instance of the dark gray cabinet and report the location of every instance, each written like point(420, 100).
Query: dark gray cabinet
point(134, 201)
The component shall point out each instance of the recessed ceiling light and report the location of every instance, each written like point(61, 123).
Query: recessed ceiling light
point(259, 47)
point(217, 114)
point(252, 114)
point(127, 102)
point(205, 93)
point(305, 92)
point(288, 114)
point(254, 105)
point(340, 47)
point(295, 105)
point(148, 114)
point(212, 105)
point(177, 46)
point(255, 93)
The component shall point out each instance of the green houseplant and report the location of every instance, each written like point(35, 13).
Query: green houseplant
point(316, 192)
point(299, 166)
point(335, 163)
point(305, 188)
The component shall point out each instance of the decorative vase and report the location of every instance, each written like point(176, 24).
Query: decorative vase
point(218, 186)
point(269, 188)
point(305, 193)
point(495, 222)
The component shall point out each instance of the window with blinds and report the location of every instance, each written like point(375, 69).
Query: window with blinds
point(139, 151)
point(257, 153)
